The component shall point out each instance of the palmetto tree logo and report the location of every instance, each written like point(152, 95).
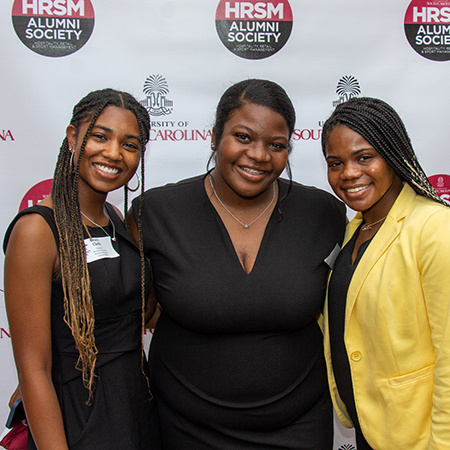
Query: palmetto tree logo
point(347, 88)
point(347, 447)
point(157, 103)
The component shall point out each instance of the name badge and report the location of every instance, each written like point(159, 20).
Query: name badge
point(99, 248)
point(331, 258)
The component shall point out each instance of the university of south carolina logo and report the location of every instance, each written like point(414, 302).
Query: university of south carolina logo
point(427, 28)
point(347, 88)
point(254, 29)
point(53, 27)
point(4, 334)
point(6, 135)
point(441, 184)
point(156, 102)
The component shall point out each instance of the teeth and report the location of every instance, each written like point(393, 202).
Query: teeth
point(252, 171)
point(108, 170)
point(356, 189)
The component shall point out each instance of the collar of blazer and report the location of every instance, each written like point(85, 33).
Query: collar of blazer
point(381, 241)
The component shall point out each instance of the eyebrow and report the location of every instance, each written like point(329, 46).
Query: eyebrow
point(252, 131)
point(356, 152)
point(102, 127)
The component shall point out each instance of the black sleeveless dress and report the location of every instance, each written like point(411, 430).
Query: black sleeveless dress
point(122, 408)
point(236, 359)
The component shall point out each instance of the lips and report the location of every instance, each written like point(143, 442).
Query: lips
point(106, 169)
point(354, 190)
point(252, 171)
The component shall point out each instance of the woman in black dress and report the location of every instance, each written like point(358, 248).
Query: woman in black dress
point(75, 290)
point(238, 260)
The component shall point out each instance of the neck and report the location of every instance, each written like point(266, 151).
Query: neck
point(93, 206)
point(383, 206)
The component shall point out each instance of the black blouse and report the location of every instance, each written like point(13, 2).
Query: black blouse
point(337, 301)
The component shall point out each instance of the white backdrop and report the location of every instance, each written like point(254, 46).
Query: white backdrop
point(359, 47)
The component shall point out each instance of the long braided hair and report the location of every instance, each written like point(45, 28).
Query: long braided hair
point(78, 305)
point(380, 125)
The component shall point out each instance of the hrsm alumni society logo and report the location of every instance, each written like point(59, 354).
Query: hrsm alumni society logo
point(427, 28)
point(254, 29)
point(53, 27)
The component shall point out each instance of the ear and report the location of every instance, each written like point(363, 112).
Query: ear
point(71, 134)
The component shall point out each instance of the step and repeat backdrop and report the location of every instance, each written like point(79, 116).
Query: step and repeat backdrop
point(178, 56)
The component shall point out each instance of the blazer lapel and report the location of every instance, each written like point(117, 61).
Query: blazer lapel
point(380, 243)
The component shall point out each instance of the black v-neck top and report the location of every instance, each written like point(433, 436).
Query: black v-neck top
point(235, 353)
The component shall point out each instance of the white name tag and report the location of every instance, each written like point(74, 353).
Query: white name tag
point(99, 248)
point(331, 258)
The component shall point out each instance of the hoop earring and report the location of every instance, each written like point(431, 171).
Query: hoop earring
point(71, 158)
point(138, 185)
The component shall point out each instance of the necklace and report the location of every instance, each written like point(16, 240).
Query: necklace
point(369, 227)
point(245, 225)
point(113, 237)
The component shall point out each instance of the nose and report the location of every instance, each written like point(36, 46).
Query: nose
point(351, 171)
point(258, 151)
point(112, 150)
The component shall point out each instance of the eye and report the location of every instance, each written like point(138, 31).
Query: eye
point(277, 146)
point(243, 137)
point(131, 147)
point(98, 136)
point(334, 164)
point(365, 158)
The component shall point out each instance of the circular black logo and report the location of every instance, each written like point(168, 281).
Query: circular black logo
point(53, 27)
point(254, 29)
point(427, 27)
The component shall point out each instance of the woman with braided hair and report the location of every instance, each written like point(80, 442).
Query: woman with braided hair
point(76, 289)
point(387, 315)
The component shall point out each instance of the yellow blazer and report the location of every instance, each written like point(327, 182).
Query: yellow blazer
point(397, 329)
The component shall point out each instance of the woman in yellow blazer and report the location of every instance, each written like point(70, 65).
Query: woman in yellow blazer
point(387, 315)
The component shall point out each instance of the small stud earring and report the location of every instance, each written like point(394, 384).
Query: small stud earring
point(213, 146)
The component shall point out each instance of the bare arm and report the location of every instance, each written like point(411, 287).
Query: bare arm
point(30, 261)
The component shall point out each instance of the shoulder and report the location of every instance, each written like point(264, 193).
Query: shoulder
point(31, 231)
point(428, 213)
point(182, 191)
point(114, 212)
point(312, 197)
point(179, 187)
